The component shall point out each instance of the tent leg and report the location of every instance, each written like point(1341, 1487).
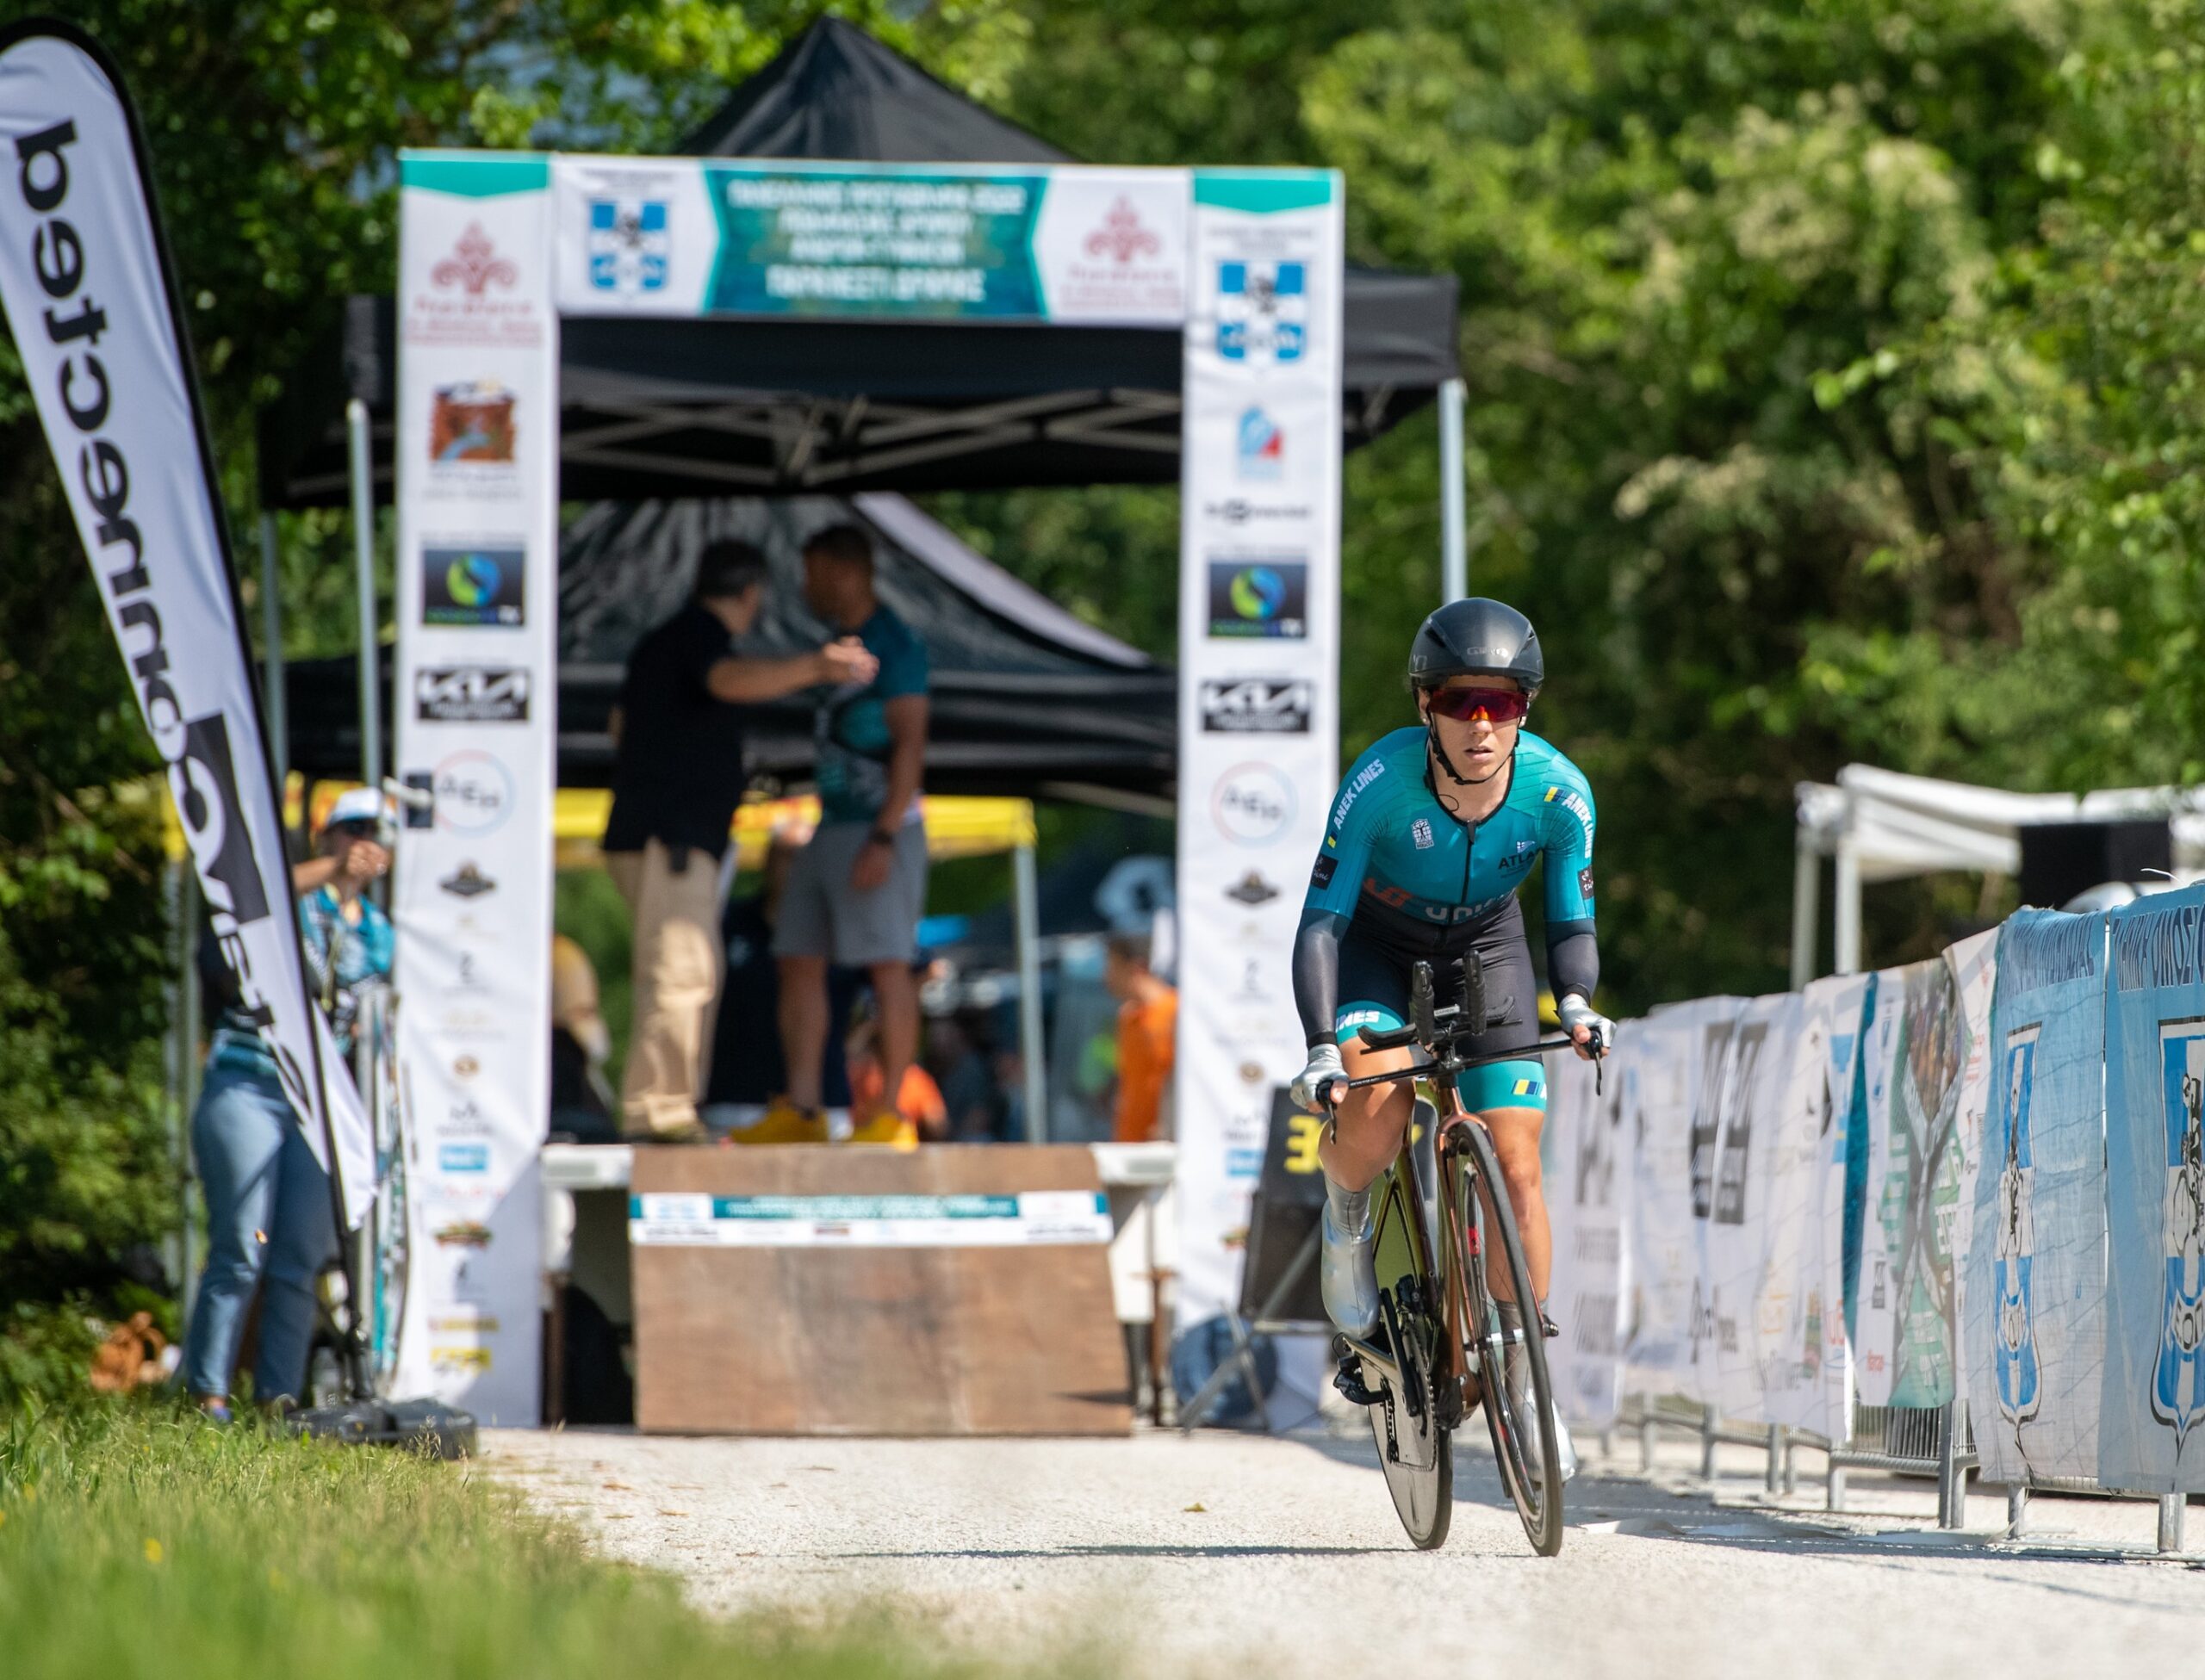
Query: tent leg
point(1454, 552)
point(1026, 902)
point(1806, 888)
point(364, 552)
point(1848, 951)
point(271, 637)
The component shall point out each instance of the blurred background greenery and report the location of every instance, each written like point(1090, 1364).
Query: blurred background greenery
point(1833, 371)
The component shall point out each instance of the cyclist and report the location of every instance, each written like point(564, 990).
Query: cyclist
point(1431, 835)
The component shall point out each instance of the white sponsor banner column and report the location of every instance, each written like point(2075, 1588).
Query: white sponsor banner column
point(1589, 1173)
point(477, 453)
point(87, 297)
point(1259, 654)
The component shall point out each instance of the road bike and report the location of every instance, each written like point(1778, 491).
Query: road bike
point(1443, 1342)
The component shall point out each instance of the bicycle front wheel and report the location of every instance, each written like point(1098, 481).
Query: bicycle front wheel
point(1519, 1415)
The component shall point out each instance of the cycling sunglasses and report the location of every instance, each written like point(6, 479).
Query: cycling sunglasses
point(1495, 705)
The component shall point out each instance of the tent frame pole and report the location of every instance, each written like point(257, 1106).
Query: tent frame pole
point(1454, 547)
point(1806, 888)
point(363, 558)
point(1848, 917)
point(1025, 899)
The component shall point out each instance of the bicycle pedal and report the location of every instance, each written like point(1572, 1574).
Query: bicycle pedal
point(1548, 1328)
point(1348, 1379)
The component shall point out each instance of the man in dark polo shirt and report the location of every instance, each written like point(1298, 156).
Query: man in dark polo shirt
point(676, 782)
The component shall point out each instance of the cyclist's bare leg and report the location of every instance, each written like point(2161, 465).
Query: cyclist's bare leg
point(1367, 1125)
point(1515, 1134)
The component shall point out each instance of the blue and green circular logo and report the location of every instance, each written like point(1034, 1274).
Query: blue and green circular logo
point(472, 579)
point(1258, 592)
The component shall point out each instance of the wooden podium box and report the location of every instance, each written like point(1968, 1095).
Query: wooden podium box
point(806, 1290)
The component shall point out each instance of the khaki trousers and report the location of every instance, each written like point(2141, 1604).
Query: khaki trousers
point(679, 964)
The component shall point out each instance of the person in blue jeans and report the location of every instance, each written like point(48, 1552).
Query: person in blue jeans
point(269, 1225)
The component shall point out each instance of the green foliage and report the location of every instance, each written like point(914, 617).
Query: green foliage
point(134, 1544)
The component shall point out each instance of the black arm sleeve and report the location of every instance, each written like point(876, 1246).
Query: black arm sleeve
point(1573, 959)
point(1317, 973)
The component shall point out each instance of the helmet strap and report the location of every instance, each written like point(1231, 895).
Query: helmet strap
point(1440, 752)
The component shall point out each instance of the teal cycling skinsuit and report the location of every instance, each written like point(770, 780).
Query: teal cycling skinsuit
point(1400, 880)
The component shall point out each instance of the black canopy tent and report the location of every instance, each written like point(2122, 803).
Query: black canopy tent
point(674, 410)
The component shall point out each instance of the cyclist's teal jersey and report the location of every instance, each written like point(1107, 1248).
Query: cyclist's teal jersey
point(1395, 862)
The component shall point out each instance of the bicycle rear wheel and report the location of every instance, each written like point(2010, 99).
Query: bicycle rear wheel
point(1524, 1446)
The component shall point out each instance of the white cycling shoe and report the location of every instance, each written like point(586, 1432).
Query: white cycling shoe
point(1519, 1395)
point(1348, 1278)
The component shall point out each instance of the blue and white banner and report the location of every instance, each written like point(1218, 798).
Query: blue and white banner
point(1258, 613)
point(477, 709)
point(1760, 1109)
point(2154, 1398)
point(2033, 1300)
point(1028, 1219)
point(691, 237)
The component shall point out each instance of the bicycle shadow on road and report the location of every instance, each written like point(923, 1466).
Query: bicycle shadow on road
point(1043, 1554)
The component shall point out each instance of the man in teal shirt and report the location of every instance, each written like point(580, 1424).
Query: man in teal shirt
point(856, 892)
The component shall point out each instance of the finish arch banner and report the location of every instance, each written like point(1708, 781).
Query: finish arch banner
point(88, 292)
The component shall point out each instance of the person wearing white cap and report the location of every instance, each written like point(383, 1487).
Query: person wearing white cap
point(268, 1221)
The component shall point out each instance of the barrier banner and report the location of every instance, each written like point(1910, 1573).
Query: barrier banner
point(2153, 1393)
point(1258, 615)
point(90, 298)
point(1588, 1178)
point(1802, 1358)
point(1680, 1052)
point(1904, 1336)
point(476, 707)
point(2033, 1300)
point(1756, 1106)
point(1974, 963)
point(689, 237)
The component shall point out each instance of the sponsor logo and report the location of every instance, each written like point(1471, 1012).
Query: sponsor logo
point(473, 265)
point(463, 1158)
point(472, 694)
point(1585, 884)
point(1420, 832)
point(2014, 1247)
point(1257, 706)
point(630, 246)
point(1253, 804)
point(1252, 890)
point(1520, 858)
point(1574, 803)
point(463, 1323)
point(1244, 1163)
point(471, 425)
point(1239, 510)
point(462, 1234)
point(2178, 1371)
point(465, 1118)
point(475, 794)
point(465, 1067)
point(1252, 1073)
point(1259, 448)
point(1122, 237)
point(1363, 778)
point(476, 1359)
point(1321, 875)
point(1263, 310)
point(464, 302)
point(467, 882)
point(1259, 598)
point(470, 978)
point(474, 586)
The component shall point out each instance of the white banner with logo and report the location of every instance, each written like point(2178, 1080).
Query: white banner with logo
point(699, 236)
point(1259, 651)
point(89, 302)
point(1760, 1108)
point(1588, 1173)
point(474, 700)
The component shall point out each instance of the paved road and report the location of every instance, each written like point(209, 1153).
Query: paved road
point(1230, 1555)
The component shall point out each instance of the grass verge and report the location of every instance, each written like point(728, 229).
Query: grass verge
point(135, 1543)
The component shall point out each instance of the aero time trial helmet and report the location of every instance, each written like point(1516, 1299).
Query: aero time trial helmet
point(1477, 638)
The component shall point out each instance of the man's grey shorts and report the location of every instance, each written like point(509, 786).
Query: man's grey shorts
point(822, 916)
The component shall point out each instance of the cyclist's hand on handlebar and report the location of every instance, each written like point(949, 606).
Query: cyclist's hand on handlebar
point(1593, 1032)
point(1312, 1089)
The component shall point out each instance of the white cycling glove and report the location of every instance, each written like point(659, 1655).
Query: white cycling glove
point(1308, 1085)
point(1574, 1012)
